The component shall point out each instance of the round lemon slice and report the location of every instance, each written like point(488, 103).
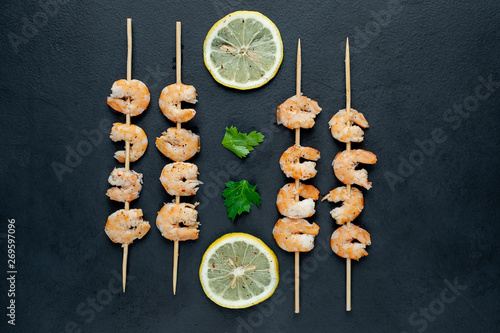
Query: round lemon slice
point(238, 270)
point(243, 50)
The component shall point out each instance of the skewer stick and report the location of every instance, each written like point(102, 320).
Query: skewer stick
point(297, 181)
point(348, 148)
point(127, 143)
point(177, 198)
point(124, 266)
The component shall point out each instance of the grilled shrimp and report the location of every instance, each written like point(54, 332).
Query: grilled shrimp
point(125, 226)
point(297, 209)
point(174, 94)
point(129, 97)
point(128, 185)
point(133, 134)
point(342, 131)
point(180, 178)
point(297, 113)
point(177, 222)
point(342, 241)
point(178, 144)
point(291, 165)
point(295, 235)
point(352, 206)
point(345, 163)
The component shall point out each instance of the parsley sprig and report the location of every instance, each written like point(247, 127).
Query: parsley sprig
point(239, 197)
point(241, 143)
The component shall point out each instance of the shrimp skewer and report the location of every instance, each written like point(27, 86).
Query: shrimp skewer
point(344, 164)
point(130, 97)
point(293, 233)
point(178, 221)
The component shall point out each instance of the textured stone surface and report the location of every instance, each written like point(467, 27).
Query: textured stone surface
point(431, 224)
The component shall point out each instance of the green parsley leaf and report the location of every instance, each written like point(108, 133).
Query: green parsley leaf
point(241, 143)
point(239, 197)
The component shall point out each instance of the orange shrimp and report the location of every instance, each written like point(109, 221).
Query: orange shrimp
point(178, 144)
point(129, 97)
point(352, 206)
point(297, 209)
point(295, 235)
point(127, 185)
point(342, 241)
point(291, 165)
point(174, 94)
point(345, 163)
point(177, 222)
point(345, 132)
point(125, 226)
point(298, 112)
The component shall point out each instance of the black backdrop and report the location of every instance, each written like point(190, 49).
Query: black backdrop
point(426, 75)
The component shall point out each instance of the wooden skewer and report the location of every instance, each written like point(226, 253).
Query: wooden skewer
point(348, 148)
point(177, 198)
point(127, 144)
point(297, 181)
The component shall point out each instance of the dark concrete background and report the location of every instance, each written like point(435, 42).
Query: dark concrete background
point(433, 212)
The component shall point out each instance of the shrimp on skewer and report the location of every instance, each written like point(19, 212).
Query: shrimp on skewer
point(352, 206)
point(129, 97)
point(298, 112)
point(342, 241)
point(174, 94)
point(177, 222)
point(345, 163)
point(297, 209)
point(180, 178)
point(133, 134)
point(341, 128)
point(128, 185)
point(295, 235)
point(291, 165)
point(178, 144)
point(125, 226)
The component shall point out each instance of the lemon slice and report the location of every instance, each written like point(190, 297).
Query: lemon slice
point(243, 50)
point(238, 270)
